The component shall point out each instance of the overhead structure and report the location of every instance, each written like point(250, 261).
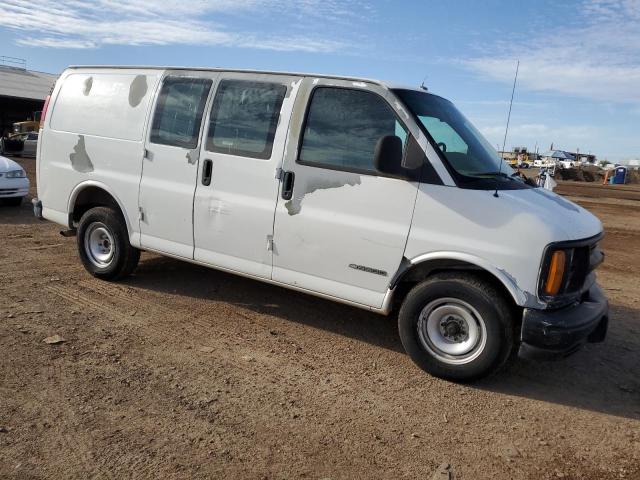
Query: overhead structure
point(22, 93)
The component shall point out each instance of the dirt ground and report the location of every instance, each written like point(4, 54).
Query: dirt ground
point(185, 372)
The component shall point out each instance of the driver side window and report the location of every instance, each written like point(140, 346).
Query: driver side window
point(342, 129)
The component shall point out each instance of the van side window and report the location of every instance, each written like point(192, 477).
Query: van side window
point(244, 117)
point(343, 127)
point(178, 114)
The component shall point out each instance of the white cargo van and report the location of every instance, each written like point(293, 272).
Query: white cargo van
point(345, 188)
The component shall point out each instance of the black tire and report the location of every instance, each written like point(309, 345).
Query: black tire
point(479, 302)
point(121, 259)
point(13, 201)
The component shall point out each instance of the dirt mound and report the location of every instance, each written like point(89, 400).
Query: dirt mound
point(592, 173)
point(633, 176)
point(581, 174)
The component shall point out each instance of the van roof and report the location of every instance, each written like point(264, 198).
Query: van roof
point(240, 70)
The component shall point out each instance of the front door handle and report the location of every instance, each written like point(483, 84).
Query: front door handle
point(207, 171)
point(288, 179)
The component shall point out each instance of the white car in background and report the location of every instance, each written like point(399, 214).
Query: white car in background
point(14, 184)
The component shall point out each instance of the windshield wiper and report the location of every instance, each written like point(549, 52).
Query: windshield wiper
point(496, 175)
point(492, 174)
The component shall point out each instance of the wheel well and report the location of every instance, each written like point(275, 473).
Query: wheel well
point(414, 274)
point(89, 198)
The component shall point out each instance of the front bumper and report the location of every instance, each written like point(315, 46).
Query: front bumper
point(551, 334)
point(13, 187)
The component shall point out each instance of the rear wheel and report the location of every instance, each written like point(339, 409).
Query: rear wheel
point(103, 244)
point(456, 326)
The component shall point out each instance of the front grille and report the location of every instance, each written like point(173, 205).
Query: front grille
point(8, 191)
point(579, 268)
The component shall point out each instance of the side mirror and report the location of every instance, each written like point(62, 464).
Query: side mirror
point(387, 157)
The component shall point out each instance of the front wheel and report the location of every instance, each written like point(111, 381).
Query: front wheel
point(456, 326)
point(103, 244)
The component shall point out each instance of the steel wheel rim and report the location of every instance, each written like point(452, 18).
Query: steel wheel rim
point(99, 245)
point(452, 331)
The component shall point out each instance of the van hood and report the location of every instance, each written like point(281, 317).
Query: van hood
point(8, 165)
point(566, 216)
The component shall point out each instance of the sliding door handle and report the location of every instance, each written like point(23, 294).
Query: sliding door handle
point(207, 171)
point(288, 179)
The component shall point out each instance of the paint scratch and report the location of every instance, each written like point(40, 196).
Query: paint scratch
point(80, 160)
point(530, 300)
point(294, 206)
point(137, 90)
point(88, 83)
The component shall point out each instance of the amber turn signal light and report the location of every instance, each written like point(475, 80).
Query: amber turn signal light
point(556, 273)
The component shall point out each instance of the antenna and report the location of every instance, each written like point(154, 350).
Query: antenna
point(506, 130)
point(422, 85)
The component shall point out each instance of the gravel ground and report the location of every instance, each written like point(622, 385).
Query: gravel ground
point(186, 372)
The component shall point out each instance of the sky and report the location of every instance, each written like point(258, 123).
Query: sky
point(578, 85)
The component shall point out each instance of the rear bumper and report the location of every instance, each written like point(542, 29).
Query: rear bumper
point(555, 334)
point(37, 208)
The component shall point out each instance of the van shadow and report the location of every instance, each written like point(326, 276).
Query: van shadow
point(163, 274)
point(601, 377)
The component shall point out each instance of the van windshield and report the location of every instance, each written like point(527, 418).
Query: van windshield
point(461, 144)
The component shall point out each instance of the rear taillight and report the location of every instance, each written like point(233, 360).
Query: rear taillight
point(44, 110)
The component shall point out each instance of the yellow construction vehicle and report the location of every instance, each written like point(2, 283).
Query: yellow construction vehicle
point(28, 125)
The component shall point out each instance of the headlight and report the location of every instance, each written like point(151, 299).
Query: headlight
point(16, 174)
point(566, 267)
point(555, 273)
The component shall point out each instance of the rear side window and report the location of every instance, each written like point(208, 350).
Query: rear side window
point(178, 114)
point(343, 127)
point(244, 117)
